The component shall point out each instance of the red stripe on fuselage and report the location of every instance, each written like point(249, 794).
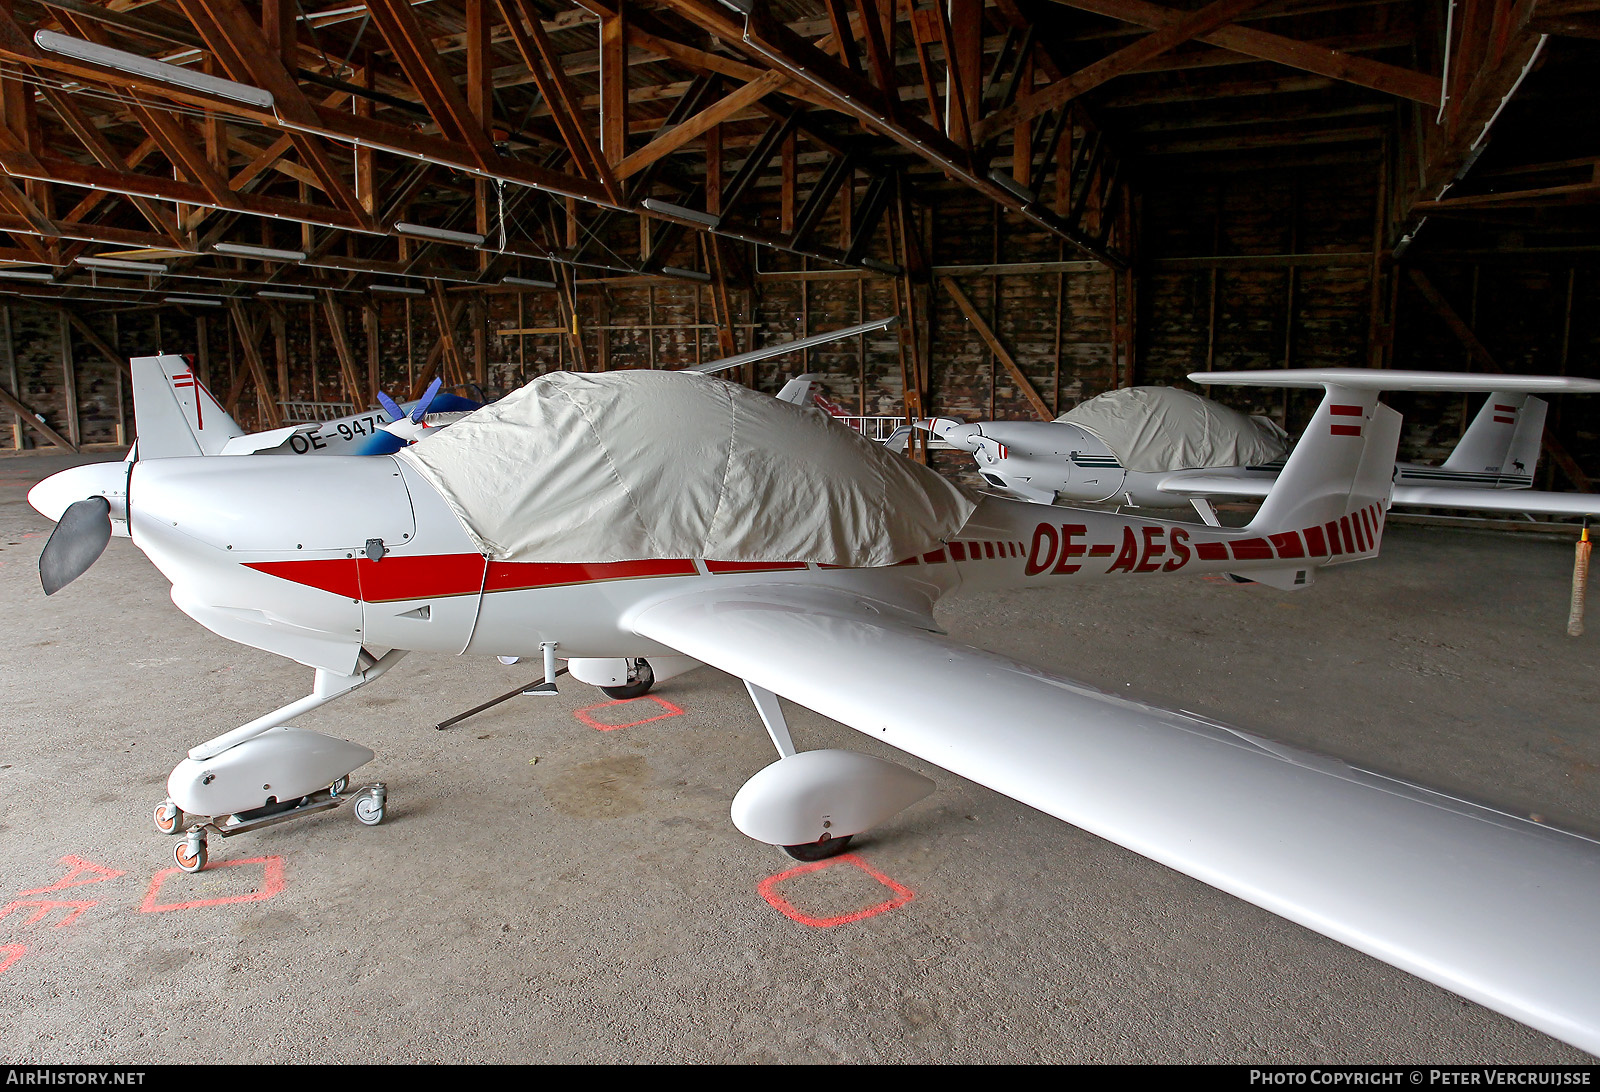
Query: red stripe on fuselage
point(753, 566)
point(438, 576)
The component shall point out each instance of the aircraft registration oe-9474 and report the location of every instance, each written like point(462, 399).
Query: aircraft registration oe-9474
point(810, 572)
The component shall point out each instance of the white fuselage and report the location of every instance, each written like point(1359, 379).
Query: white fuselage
point(316, 559)
point(1045, 460)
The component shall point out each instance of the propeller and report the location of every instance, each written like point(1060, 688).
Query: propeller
point(409, 427)
point(77, 542)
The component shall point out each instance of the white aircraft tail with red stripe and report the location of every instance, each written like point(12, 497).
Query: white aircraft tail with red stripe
point(1331, 498)
point(1334, 491)
point(174, 414)
point(1501, 445)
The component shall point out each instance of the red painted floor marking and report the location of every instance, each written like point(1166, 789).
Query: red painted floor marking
point(77, 866)
point(272, 877)
point(9, 954)
point(600, 726)
point(765, 888)
point(47, 905)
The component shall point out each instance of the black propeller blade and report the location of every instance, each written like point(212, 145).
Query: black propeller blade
point(78, 541)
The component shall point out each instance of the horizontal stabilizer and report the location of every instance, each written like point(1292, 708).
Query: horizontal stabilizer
point(262, 441)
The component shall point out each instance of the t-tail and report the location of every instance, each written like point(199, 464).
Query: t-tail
point(174, 413)
point(1331, 498)
point(1499, 450)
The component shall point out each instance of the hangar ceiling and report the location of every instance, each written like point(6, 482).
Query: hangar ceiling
point(349, 152)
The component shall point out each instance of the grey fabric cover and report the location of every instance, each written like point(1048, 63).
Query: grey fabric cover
point(621, 466)
point(1155, 429)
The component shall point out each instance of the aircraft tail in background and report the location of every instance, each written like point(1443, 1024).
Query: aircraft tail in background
point(1498, 451)
point(174, 413)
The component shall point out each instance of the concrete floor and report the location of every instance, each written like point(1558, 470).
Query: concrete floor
point(544, 891)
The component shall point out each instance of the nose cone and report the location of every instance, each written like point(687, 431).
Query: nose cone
point(51, 497)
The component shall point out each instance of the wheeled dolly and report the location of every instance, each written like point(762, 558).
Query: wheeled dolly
point(268, 771)
point(367, 802)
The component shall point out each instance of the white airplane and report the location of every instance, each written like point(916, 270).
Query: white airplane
point(189, 420)
point(346, 563)
point(1174, 449)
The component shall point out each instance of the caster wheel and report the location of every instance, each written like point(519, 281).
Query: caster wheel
point(169, 817)
point(190, 857)
point(643, 679)
point(339, 786)
point(369, 811)
point(819, 851)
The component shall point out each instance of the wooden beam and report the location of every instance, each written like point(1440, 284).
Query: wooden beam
point(1390, 79)
point(879, 54)
point(455, 368)
point(1458, 326)
point(34, 421)
point(1125, 60)
point(100, 345)
point(245, 52)
point(614, 86)
point(86, 131)
point(341, 347)
point(1484, 359)
point(527, 34)
point(249, 338)
point(1023, 383)
point(681, 134)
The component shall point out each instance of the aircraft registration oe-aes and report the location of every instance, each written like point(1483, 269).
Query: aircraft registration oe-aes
point(801, 558)
point(1161, 447)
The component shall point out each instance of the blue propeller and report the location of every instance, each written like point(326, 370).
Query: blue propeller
point(418, 411)
point(386, 443)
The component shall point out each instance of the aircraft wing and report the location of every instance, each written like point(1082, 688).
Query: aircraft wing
point(1498, 500)
point(1496, 908)
point(767, 352)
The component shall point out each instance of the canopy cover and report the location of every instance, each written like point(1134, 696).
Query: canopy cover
point(622, 466)
point(1153, 429)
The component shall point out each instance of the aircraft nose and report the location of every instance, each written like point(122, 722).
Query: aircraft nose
point(51, 497)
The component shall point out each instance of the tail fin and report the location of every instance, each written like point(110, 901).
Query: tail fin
point(1335, 488)
point(174, 414)
point(1329, 502)
point(1503, 440)
point(799, 390)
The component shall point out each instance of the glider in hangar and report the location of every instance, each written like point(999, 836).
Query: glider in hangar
point(640, 522)
point(1161, 447)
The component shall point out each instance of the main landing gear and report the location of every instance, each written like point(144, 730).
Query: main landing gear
point(640, 679)
point(812, 803)
point(267, 772)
